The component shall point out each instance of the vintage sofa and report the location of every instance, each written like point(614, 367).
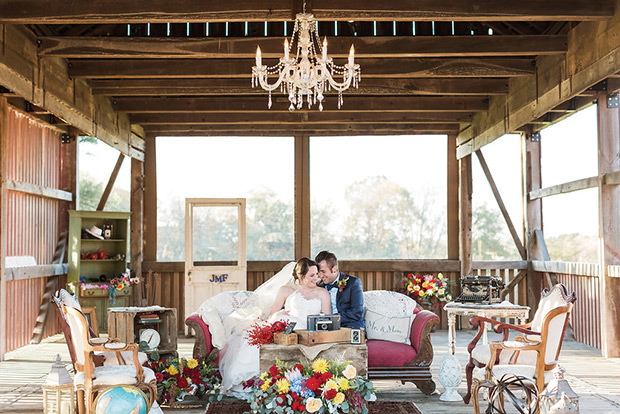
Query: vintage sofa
point(387, 359)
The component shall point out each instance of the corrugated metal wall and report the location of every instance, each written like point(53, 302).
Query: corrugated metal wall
point(585, 316)
point(33, 157)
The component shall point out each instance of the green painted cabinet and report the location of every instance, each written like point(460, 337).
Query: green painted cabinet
point(98, 251)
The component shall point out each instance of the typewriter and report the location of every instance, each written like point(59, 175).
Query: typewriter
point(480, 289)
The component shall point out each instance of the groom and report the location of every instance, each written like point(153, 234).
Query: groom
point(345, 291)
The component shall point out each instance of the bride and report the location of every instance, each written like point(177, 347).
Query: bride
point(296, 297)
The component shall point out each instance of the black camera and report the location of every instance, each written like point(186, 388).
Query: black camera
point(323, 322)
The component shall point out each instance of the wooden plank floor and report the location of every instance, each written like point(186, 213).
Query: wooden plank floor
point(595, 379)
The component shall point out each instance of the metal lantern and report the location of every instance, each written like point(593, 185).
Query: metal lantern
point(58, 392)
point(559, 397)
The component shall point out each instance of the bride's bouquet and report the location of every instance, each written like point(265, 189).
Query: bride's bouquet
point(318, 387)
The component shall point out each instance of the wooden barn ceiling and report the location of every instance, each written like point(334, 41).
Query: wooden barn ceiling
point(428, 66)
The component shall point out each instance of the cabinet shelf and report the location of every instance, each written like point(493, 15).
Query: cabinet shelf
point(103, 241)
point(100, 260)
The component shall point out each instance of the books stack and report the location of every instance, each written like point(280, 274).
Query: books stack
point(148, 318)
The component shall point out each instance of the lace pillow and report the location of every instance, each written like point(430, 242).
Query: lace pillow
point(388, 328)
point(389, 303)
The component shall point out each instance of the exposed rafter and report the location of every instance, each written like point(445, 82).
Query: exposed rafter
point(112, 11)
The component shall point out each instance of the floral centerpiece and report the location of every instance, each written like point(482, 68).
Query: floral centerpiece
point(178, 378)
point(261, 332)
point(428, 289)
point(318, 387)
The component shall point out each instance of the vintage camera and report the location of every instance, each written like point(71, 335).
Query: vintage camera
point(323, 322)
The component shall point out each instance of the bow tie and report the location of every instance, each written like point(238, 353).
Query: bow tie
point(330, 286)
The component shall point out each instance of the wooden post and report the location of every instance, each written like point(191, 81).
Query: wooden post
point(302, 196)
point(137, 216)
point(609, 224)
point(150, 200)
point(453, 200)
point(530, 150)
point(465, 194)
point(68, 177)
point(4, 139)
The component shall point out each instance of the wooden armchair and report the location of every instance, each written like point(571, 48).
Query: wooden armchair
point(533, 354)
point(90, 379)
point(62, 297)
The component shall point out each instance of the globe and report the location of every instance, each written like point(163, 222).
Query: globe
point(121, 400)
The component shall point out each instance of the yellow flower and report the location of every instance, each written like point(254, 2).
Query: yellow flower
point(421, 293)
point(264, 376)
point(172, 370)
point(192, 363)
point(330, 384)
point(441, 291)
point(283, 386)
point(425, 285)
point(449, 297)
point(320, 366)
point(265, 386)
point(343, 384)
point(409, 287)
point(439, 276)
point(416, 287)
point(313, 405)
point(349, 372)
point(338, 399)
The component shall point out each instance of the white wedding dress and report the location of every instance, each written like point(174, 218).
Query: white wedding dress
point(239, 361)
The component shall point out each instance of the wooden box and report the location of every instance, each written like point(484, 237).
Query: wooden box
point(342, 335)
point(281, 338)
point(126, 324)
point(293, 354)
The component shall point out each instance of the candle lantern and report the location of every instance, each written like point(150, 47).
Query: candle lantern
point(559, 397)
point(58, 392)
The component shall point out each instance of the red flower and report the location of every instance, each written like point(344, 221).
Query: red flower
point(302, 408)
point(330, 394)
point(326, 376)
point(159, 377)
point(182, 382)
point(299, 368)
point(274, 371)
point(312, 384)
point(295, 405)
point(196, 379)
point(281, 399)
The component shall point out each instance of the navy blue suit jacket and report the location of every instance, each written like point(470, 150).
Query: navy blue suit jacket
point(350, 303)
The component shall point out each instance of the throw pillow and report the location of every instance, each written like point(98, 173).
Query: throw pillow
point(388, 328)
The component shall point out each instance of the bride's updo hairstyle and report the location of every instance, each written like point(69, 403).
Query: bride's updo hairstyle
point(301, 268)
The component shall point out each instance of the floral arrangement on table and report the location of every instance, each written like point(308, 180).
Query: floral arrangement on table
point(428, 288)
point(318, 387)
point(262, 332)
point(178, 378)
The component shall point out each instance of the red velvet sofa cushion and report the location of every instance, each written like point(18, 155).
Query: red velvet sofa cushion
point(389, 354)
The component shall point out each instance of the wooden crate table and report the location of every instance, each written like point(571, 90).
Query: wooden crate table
point(293, 354)
point(125, 324)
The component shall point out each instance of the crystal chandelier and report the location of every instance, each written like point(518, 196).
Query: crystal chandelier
point(306, 74)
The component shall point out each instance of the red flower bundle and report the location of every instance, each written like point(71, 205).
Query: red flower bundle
point(262, 332)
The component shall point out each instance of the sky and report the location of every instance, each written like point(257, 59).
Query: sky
point(232, 167)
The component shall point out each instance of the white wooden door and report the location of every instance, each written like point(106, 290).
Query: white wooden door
point(215, 248)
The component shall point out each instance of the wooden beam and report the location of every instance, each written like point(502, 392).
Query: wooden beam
point(242, 68)
point(452, 196)
point(372, 129)
point(368, 86)
point(612, 178)
point(303, 246)
point(160, 11)
point(591, 58)
point(137, 227)
point(150, 199)
point(566, 268)
point(333, 117)
point(552, 279)
point(501, 205)
point(281, 104)
point(609, 225)
point(514, 282)
point(110, 185)
point(33, 272)
point(564, 188)
point(46, 84)
point(29, 188)
point(465, 216)
point(235, 48)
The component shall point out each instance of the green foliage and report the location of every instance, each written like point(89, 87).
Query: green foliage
point(573, 247)
point(490, 240)
point(91, 191)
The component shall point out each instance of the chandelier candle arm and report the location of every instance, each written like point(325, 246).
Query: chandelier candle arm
point(306, 76)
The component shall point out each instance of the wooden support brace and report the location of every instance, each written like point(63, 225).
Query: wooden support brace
point(108, 188)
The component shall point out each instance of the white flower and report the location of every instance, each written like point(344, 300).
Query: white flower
point(292, 374)
point(313, 405)
point(349, 372)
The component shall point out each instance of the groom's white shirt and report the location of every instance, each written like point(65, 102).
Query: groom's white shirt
point(332, 294)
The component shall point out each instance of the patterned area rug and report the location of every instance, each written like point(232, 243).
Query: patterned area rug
point(377, 407)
